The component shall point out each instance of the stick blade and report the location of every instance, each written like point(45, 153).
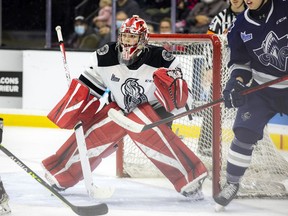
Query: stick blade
point(99, 209)
point(219, 208)
point(119, 118)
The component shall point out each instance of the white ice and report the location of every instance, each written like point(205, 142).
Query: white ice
point(133, 197)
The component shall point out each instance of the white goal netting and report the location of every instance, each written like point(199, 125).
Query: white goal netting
point(209, 133)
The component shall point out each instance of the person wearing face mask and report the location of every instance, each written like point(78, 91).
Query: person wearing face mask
point(258, 45)
point(83, 36)
point(199, 18)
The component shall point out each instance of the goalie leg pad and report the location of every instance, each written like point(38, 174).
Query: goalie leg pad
point(166, 150)
point(101, 137)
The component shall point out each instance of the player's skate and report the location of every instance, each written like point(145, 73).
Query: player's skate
point(227, 194)
point(193, 190)
point(4, 207)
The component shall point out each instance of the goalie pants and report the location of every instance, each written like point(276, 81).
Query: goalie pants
point(165, 149)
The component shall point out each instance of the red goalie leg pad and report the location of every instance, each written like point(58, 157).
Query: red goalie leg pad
point(101, 138)
point(166, 150)
point(77, 105)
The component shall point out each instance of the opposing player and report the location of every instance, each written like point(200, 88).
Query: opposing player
point(4, 198)
point(146, 83)
point(258, 44)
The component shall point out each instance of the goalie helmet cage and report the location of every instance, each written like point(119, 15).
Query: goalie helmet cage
point(209, 134)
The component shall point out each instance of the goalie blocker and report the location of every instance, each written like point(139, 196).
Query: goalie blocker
point(160, 145)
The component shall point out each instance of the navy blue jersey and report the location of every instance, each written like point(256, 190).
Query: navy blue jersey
point(259, 44)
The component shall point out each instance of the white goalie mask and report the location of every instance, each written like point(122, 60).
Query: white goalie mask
point(132, 39)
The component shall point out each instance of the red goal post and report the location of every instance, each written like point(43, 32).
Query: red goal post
point(204, 59)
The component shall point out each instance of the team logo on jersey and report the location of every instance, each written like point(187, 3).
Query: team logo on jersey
point(245, 116)
point(114, 78)
point(103, 50)
point(167, 56)
point(274, 51)
point(246, 37)
point(133, 94)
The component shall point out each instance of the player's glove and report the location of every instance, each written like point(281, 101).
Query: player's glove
point(231, 93)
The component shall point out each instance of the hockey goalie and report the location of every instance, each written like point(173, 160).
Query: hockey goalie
point(145, 82)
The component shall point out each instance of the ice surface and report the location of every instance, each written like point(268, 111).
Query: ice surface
point(132, 197)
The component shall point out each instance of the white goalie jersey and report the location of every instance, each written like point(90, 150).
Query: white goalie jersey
point(132, 85)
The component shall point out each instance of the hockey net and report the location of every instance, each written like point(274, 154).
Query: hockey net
point(209, 134)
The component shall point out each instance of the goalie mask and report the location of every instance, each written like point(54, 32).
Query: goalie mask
point(132, 39)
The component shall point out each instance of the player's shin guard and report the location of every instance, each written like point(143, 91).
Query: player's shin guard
point(239, 159)
point(166, 150)
point(64, 169)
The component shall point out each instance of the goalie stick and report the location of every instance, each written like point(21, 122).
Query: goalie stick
point(92, 190)
point(93, 210)
point(119, 118)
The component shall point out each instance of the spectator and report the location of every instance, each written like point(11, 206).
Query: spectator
point(183, 9)
point(103, 31)
point(150, 28)
point(159, 9)
point(130, 7)
point(121, 16)
point(84, 36)
point(105, 12)
point(200, 16)
point(165, 26)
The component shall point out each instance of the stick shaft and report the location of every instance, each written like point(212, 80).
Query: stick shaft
point(214, 103)
point(79, 133)
point(98, 209)
point(63, 52)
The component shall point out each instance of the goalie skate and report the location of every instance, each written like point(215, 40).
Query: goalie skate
point(226, 195)
point(193, 190)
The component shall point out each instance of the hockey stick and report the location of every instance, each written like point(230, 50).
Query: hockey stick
point(119, 118)
point(93, 210)
point(92, 190)
point(99, 209)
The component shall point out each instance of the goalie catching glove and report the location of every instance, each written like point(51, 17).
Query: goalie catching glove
point(171, 88)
